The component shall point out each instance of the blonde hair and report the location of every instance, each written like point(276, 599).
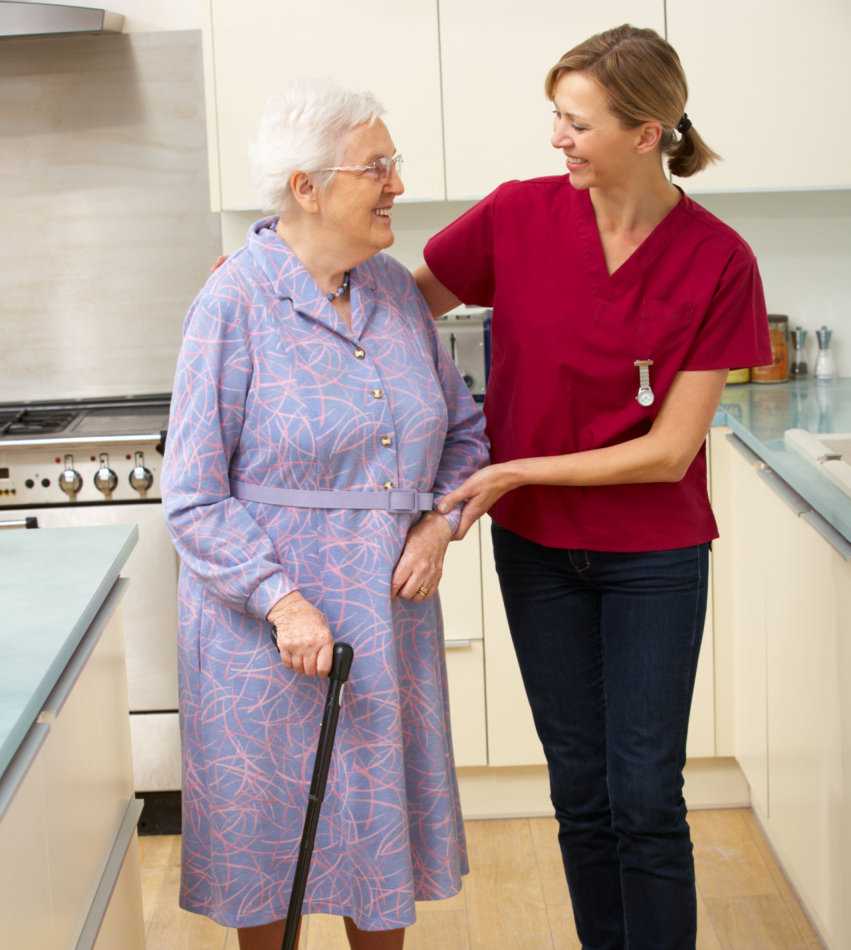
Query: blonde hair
point(644, 81)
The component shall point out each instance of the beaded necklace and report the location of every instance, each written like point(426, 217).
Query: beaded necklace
point(341, 290)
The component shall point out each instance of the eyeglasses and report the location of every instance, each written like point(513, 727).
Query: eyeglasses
point(379, 170)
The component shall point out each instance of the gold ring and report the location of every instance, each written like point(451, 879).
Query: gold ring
point(423, 592)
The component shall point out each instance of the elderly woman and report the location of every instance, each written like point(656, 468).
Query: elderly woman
point(314, 423)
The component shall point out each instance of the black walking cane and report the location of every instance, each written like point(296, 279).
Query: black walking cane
point(340, 666)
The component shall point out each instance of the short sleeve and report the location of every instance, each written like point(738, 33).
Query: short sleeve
point(733, 332)
point(461, 256)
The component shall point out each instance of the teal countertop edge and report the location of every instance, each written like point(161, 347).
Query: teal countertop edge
point(760, 413)
point(53, 581)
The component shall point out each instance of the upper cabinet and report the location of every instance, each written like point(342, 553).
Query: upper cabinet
point(766, 90)
point(462, 81)
point(253, 49)
point(495, 56)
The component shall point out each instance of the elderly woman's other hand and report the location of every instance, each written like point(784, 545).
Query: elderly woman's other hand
point(305, 641)
point(420, 565)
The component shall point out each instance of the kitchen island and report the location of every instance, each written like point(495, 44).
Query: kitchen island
point(69, 868)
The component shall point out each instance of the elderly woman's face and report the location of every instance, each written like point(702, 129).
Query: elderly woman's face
point(356, 205)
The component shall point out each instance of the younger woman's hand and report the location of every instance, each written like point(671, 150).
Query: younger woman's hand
point(305, 641)
point(481, 490)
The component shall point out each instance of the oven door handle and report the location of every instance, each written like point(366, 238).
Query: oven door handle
point(29, 522)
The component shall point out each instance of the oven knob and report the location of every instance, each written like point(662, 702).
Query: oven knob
point(105, 478)
point(70, 481)
point(141, 478)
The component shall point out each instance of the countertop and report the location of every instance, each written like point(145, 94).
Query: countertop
point(760, 413)
point(53, 581)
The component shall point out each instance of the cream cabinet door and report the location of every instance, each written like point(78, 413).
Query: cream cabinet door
point(738, 501)
point(807, 799)
point(763, 79)
point(254, 48)
point(461, 601)
point(495, 55)
point(512, 739)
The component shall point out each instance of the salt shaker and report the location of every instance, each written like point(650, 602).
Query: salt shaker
point(798, 368)
point(825, 367)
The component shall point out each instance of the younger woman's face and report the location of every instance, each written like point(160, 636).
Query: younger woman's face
point(599, 151)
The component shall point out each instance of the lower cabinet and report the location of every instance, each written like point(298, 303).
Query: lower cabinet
point(784, 596)
point(68, 861)
point(491, 720)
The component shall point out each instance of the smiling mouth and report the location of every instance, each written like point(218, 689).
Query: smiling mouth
point(571, 160)
point(382, 212)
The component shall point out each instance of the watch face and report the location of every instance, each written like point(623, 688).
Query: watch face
point(645, 397)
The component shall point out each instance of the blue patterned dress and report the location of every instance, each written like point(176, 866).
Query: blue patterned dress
point(273, 389)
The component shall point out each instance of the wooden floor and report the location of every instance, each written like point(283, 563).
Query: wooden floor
point(516, 897)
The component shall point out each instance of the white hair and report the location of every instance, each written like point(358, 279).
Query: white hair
point(304, 128)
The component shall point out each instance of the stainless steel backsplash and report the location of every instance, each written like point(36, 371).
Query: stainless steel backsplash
point(105, 229)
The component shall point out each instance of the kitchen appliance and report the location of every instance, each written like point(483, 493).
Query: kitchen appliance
point(94, 462)
point(49, 19)
point(465, 333)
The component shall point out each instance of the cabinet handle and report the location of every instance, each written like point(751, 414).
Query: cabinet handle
point(114, 863)
point(747, 453)
point(28, 522)
point(56, 700)
point(456, 644)
point(829, 533)
point(783, 491)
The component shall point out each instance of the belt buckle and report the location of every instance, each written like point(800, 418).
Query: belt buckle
point(401, 499)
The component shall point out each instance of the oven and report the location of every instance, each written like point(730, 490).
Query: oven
point(98, 462)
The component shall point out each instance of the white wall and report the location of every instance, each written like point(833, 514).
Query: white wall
point(802, 241)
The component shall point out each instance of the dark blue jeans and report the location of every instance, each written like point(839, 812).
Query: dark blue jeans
point(607, 645)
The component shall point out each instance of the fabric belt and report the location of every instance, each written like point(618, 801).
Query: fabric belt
point(394, 499)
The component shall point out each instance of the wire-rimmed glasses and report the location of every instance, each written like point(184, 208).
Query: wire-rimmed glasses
point(379, 170)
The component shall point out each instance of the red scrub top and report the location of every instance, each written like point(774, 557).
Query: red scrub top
point(566, 334)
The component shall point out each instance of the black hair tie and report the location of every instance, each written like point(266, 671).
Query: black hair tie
point(684, 124)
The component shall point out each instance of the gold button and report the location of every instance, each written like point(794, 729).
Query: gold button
point(388, 486)
point(359, 354)
point(386, 441)
point(377, 393)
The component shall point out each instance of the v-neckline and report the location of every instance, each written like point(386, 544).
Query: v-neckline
point(611, 286)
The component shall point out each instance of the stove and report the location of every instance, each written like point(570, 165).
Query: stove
point(82, 451)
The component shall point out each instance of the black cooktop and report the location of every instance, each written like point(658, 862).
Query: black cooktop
point(85, 418)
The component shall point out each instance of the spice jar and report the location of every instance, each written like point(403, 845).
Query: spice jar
point(778, 371)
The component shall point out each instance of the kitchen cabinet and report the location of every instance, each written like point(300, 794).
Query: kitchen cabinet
point(462, 81)
point(69, 867)
point(491, 721)
point(252, 50)
point(783, 67)
point(739, 600)
point(463, 630)
point(495, 57)
point(787, 584)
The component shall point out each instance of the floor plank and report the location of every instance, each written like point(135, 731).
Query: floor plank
point(516, 895)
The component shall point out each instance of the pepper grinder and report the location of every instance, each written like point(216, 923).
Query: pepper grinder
point(798, 368)
point(825, 367)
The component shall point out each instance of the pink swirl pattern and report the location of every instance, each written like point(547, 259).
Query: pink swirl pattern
point(273, 389)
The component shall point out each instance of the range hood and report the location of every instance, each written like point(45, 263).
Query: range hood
point(47, 19)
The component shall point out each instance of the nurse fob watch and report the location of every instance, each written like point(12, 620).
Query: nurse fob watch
point(645, 395)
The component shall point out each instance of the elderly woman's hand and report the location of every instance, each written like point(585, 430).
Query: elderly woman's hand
point(305, 642)
point(420, 565)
